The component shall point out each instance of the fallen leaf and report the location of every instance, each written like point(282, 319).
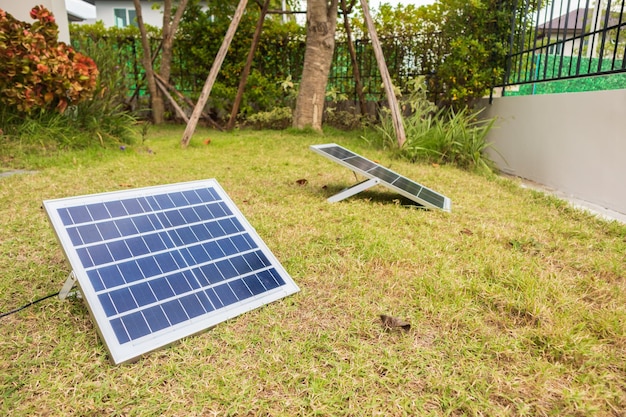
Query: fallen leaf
point(391, 322)
point(301, 181)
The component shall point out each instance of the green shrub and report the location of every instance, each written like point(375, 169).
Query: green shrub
point(345, 120)
point(101, 119)
point(440, 136)
point(278, 118)
point(107, 115)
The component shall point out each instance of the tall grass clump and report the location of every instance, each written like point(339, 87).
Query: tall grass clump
point(443, 136)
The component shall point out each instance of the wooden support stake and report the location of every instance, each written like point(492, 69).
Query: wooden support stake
point(173, 102)
point(396, 116)
point(246, 69)
point(215, 68)
point(188, 101)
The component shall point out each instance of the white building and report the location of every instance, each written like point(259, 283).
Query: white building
point(63, 11)
point(121, 13)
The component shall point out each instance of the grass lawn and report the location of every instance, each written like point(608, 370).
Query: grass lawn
point(517, 302)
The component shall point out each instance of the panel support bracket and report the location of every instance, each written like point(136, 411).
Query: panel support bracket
point(66, 290)
point(355, 189)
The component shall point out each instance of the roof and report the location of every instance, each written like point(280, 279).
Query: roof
point(78, 10)
point(572, 21)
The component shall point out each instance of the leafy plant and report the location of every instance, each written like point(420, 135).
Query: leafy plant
point(102, 119)
point(445, 135)
point(461, 138)
point(107, 115)
point(37, 72)
point(345, 119)
point(459, 45)
point(473, 38)
point(277, 118)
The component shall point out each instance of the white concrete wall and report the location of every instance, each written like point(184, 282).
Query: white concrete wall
point(574, 143)
point(104, 12)
point(21, 10)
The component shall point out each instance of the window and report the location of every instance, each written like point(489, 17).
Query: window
point(132, 17)
point(125, 17)
point(556, 49)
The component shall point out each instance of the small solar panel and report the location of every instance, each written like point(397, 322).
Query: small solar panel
point(378, 174)
point(160, 263)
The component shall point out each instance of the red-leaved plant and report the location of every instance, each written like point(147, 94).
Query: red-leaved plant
point(36, 71)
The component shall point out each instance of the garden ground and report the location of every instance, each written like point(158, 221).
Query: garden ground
point(516, 299)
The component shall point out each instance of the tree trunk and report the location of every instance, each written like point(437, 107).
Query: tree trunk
point(156, 101)
point(169, 30)
point(170, 25)
point(321, 23)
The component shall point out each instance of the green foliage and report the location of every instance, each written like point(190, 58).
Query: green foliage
point(410, 43)
point(473, 35)
point(200, 36)
point(277, 118)
point(446, 135)
point(79, 127)
point(102, 120)
point(262, 93)
point(40, 131)
point(106, 116)
point(459, 45)
point(124, 46)
point(345, 119)
point(38, 73)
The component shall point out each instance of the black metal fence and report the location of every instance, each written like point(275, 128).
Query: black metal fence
point(566, 39)
point(550, 40)
point(406, 57)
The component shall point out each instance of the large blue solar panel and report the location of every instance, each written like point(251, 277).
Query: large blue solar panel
point(160, 263)
point(381, 175)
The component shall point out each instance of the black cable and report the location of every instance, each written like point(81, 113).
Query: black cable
point(27, 305)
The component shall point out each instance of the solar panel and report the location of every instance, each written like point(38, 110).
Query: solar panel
point(378, 174)
point(160, 263)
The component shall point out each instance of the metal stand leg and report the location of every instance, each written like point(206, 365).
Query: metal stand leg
point(66, 290)
point(357, 188)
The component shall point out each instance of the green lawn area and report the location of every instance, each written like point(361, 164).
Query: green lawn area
point(517, 302)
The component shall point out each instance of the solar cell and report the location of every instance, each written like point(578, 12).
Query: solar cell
point(160, 263)
point(378, 174)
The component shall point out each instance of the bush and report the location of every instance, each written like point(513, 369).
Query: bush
point(277, 118)
point(107, 115)
point(37, 72)
point(345, 120)
point(99, 117)
point(440, 135)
